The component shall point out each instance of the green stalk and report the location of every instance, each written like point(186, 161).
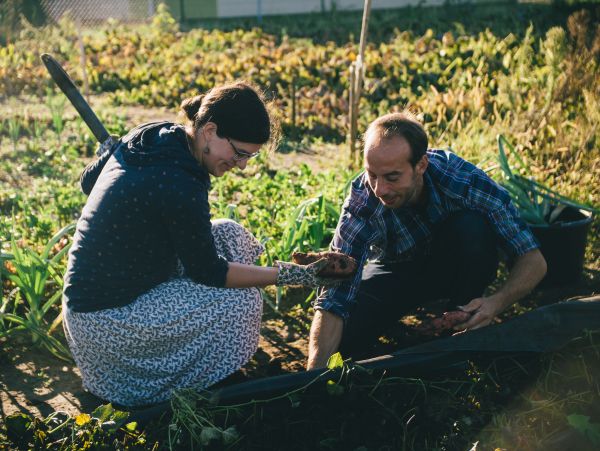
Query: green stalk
point(33, 273)
point(534, 200)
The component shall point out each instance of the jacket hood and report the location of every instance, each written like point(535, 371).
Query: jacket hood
point(159, 144)
point(152, 144)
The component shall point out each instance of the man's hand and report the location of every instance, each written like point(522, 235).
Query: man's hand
point(483, 311)
point(525, 274)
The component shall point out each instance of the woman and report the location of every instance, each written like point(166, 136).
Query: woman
point(156, 296)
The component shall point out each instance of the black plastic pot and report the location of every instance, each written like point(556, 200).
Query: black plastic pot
point(563, 245)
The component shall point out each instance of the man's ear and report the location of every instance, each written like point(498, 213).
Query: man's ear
point(422, 165)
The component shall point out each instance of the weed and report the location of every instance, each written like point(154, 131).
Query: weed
point(56, 104)
point(28, 307)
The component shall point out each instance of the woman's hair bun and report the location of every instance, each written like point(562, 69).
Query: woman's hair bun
point(191, 106)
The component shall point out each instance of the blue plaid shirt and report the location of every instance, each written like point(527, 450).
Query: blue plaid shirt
point(367, 230)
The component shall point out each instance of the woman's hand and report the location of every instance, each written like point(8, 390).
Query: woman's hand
point(307, 275)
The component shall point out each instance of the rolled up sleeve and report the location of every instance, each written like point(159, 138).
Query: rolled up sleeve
point(486, 196)
point(353, 237)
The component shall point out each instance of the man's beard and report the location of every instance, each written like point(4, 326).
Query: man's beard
point(408, 197)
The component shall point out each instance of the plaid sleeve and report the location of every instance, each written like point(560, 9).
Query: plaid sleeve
point(487, 196)
point(353, 236)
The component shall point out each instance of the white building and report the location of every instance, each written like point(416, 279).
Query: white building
point(201, 9)
point(91, 11)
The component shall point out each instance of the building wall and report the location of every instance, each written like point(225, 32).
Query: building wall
point(240, 8)
point(193, 9)
point(237, 8)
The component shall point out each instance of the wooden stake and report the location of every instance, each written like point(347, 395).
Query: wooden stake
point(293, 96)
point(356, 87)
point(351, 113)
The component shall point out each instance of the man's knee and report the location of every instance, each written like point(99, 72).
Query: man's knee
point(469, 241)
point(469, 233)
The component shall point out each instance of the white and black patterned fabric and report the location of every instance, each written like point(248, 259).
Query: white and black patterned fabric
point(179, 334)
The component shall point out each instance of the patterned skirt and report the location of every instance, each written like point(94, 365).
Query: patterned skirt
point(179, 334)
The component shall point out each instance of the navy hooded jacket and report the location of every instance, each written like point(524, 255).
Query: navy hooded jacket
point(148, 206)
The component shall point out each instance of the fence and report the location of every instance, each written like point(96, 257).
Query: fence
point(92, 12)
point(86, 13)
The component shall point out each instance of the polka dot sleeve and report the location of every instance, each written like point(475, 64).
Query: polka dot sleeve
point(186, 214)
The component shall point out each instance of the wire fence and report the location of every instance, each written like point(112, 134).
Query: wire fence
point(94, 12)
point(85, 13)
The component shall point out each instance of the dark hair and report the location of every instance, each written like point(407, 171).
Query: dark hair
point(238, 110)
point(406, 125)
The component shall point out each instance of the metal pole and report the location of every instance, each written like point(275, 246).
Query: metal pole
point(151, 9)
point(182, 11)
point(259, 11)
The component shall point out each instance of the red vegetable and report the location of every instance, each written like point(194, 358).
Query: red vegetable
point(443, 323)
point(339, 265)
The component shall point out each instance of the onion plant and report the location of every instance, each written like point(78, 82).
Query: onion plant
point(14, 130)
point(56, 105)
point(306, 228)
point(27, 308)
point(537, 203)
point(38, 129)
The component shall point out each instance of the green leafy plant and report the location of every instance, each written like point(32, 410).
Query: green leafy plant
point(306, 228)
point(56, 105)
point(308, 225)
point(84, 431)
point(197, 413)
point(38, 129)
point(14, 130)
point(224, 209)
point(582, 424)
point(29, 305)
point(537, 203)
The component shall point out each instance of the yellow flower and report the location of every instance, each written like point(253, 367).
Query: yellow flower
point(82, 418)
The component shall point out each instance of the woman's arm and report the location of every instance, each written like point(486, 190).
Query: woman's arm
point(241, 275)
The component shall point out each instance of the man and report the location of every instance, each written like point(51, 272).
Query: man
point(430, 225)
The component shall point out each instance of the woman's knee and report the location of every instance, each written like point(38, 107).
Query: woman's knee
point(235, 242)
point(226, 225)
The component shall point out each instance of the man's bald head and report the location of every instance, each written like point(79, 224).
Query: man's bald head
point(404, 125)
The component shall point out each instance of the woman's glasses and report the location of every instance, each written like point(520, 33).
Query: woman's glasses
point(240, 155)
